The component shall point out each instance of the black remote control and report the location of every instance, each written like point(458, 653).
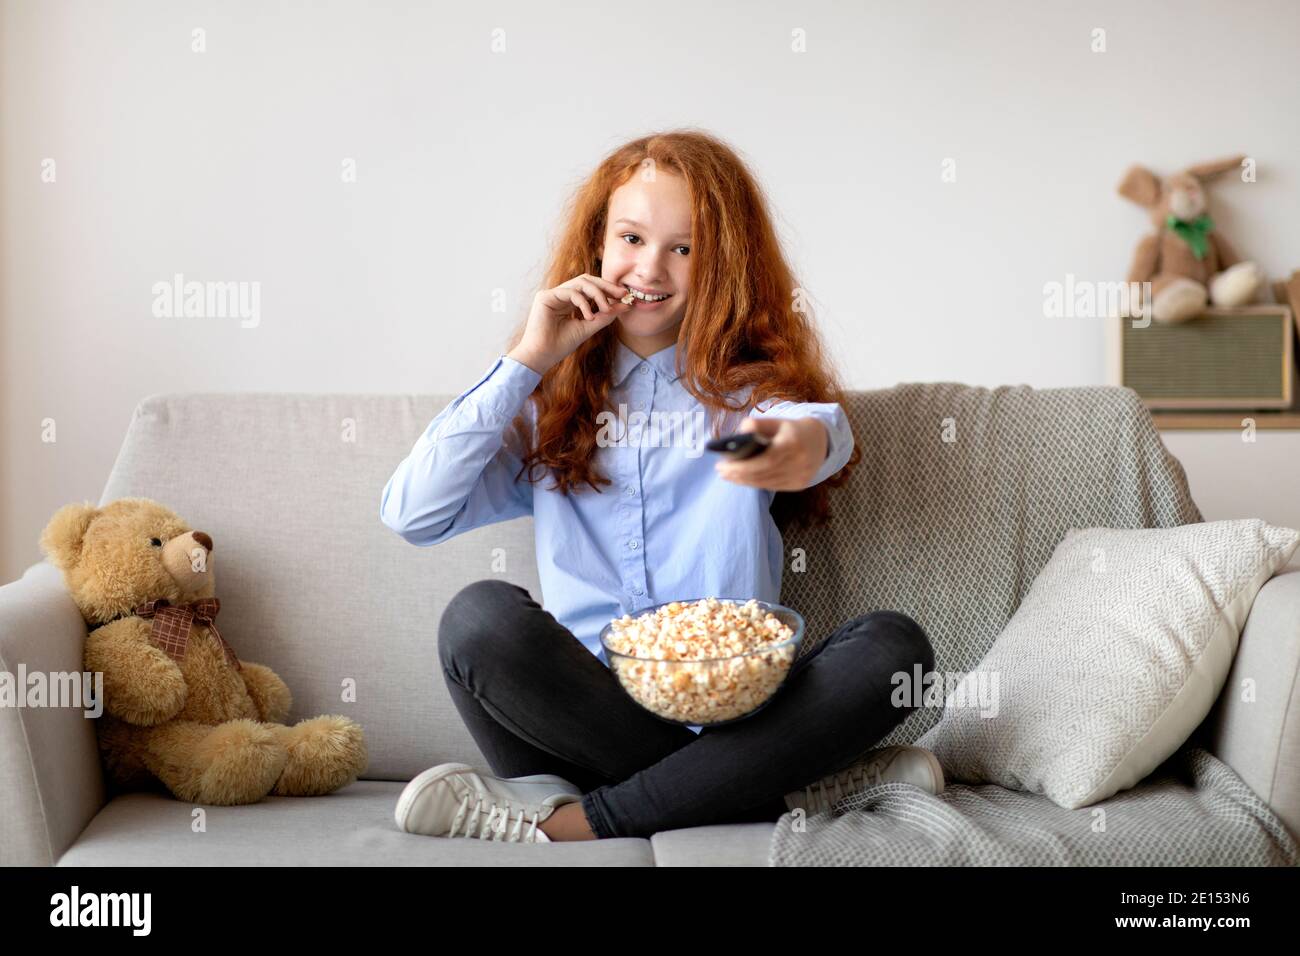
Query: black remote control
point(740, 445)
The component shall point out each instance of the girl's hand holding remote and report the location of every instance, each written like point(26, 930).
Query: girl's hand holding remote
point(566, 316)
point(798, 448)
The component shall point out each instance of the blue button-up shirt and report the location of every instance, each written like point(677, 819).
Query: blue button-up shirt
point(669, 528)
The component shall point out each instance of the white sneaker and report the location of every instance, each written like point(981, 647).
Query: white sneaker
point(456, 800)
point(898, 764)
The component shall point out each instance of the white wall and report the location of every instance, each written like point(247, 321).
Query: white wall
point(225, 165)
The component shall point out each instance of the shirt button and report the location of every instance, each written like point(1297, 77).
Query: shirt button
point(643, 368)
point(630, 490)
point(632, 544)
point(636, 590)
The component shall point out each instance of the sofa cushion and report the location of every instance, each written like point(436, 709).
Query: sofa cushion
point(353, 826)
point(1115, 656)
point(722, 844)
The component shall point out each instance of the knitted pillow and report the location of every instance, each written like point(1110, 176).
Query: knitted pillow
point(1115, 656)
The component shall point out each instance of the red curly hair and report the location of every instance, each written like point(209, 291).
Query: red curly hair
point(745, 322)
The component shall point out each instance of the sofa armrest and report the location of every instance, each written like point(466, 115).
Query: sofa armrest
point(51, 781)
point(1259, 738)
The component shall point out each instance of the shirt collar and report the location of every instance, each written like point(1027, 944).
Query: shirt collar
point(664, 362)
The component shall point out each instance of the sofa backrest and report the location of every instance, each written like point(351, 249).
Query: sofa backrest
point(960, 496)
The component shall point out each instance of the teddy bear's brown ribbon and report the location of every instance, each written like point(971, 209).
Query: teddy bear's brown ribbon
point(171, 625)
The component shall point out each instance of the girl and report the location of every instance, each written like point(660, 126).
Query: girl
point(667, 296)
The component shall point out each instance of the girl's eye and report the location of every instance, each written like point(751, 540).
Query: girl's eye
point(156, 542)
point(635, 236)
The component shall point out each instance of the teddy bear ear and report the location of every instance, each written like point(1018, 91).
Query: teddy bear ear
point(1141, 186)
point(1216, 167)
point(62, 537)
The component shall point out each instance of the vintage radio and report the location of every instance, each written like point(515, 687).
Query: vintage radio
point(1238, 358)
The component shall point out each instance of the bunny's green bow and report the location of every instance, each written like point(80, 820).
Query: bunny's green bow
point(1195, 233)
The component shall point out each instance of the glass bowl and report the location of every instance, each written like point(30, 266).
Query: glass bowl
point(709, 692)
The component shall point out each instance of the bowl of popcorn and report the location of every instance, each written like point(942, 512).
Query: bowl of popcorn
point(706, 661)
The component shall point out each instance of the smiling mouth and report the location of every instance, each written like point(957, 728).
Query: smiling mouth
point(639, 296)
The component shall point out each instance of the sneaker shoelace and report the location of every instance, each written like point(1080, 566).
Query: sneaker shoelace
point(824, 794)
point(493, 826)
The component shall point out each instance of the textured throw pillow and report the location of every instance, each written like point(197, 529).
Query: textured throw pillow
point(1113, 659)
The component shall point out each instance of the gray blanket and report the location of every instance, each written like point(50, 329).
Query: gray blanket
point(961, 496)
point(1193, 811)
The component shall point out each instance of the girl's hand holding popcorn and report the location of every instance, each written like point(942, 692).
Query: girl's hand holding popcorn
point(797, 450)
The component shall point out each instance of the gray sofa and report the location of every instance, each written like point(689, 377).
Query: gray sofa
point(313, 584)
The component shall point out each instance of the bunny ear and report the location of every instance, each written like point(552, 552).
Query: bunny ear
point(1216, 167)
point(1141, 186)
point(62, 537)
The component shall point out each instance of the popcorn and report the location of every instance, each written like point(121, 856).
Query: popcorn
point(628, 299)
point(701, 662)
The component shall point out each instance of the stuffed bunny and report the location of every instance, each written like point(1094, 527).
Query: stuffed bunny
point(1187, 261)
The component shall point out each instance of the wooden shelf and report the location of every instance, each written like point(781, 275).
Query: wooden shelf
point(1227, 421)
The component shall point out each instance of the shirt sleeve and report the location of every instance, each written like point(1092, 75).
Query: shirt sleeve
point(839, 445)
point(460, 474)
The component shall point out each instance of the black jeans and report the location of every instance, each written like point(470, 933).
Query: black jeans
point(537, 701)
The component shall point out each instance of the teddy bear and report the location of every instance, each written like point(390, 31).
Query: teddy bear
point(1186, 259)
point(180, 709)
